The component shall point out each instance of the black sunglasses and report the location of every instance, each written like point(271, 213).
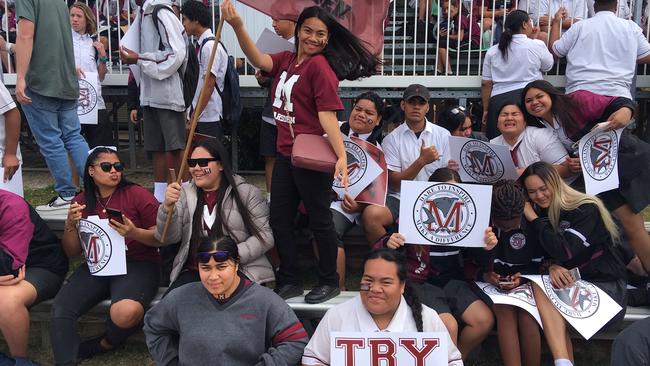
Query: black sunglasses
point(106, 166)
point(203, 162)
point(219, 256)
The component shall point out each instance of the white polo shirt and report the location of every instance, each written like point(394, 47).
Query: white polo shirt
point(84, 57)
point(352, 316)
point(213, 110)
point(535, 144)
point(576, 9)
point(601, 54)
point(527, 59)
point(6, 104)
point(560, 133)
point(402, 147)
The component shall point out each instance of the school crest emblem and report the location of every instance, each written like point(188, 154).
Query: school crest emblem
point(87, 98)
point(600, 155)
point(580, 301)
point(357, 163)
point(481, 162)
point(517, 240)
point(96, 244)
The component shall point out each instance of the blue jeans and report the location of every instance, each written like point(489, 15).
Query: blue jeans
point(55, 125)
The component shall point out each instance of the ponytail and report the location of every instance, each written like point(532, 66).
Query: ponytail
point(413, 301)
point(513, 25)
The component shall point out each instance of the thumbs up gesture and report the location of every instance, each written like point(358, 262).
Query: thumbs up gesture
point(428, 154)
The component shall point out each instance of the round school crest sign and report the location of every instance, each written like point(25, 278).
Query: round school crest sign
point(87, 97)
point(580, 301)
point(523, 293)
point(599, 155)
point(444, 214)
point(517, 241)
point(96, 244)
point(481, 162)
point(357, 163)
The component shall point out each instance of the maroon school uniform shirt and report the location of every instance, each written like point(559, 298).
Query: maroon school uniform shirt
point(303, 91)
point(141, 207)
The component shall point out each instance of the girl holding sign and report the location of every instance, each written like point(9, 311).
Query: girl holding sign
point(106, 191)
point(225, 319)
point(305, 85)
point(90, 56)
point(571, 117)
point(387, 303)
point(576, 231)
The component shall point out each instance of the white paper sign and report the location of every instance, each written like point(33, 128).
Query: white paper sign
point(520, 296)
point(131, 40)
point(586, 307)
point(448, 214)
point(480, 161)
point(15, 184)
point(88, 97)
point(598, 151)
point(269, 42)
point(385, 348)
point(362, 169)
point(103, 247)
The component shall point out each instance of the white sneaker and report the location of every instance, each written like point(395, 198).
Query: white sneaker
point(57, 203)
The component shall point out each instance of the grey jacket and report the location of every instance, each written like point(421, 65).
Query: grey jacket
point(254, 263)
point(160, 85)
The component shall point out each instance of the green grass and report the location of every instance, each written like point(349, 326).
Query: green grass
point(39, 196)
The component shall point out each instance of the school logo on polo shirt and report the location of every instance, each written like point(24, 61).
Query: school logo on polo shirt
point(87, 97)
point(600, 155)
point(444, 214)
point(96, 244)
point(357, 163)
point(517, 240)
point(481, 162)
point(579, 301)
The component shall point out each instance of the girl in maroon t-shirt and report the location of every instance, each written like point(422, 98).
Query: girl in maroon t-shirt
point(106, 190)
point(305, 87)
point(457, 29)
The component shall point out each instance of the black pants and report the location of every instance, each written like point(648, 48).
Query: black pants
point(100, 134)
point(83, 291)
point(290, 185)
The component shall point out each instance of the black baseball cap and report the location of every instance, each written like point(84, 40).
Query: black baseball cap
point(416, 90)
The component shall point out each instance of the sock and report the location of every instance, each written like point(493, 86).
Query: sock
point(159, 189)
point(563, 362)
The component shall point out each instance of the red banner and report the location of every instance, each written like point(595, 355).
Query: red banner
point(364, 18)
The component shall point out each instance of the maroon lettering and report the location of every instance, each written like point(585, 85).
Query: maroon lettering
point(420, 354)
point(93, 250)
point(349, 345)
point(602, 145)
point(452, 217)
point(382, 349)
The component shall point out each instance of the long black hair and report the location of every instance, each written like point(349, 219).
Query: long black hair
point(90, 188)
point(513, 24)
point(451, 118)
point(562, 106)
point(216, 150)
point(344, 51)
point(411, 297)
point(376, 134)
point(445, 174)
point(220, 244)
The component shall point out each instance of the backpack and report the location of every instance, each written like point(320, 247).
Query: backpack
point(231, 106)
point(189, 72)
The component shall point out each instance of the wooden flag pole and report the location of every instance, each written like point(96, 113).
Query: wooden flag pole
point(203, 95)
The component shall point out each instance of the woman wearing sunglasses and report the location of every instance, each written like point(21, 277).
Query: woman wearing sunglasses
point(386, 303)
point(106, 190)
point(216, 203)
point(226, 319)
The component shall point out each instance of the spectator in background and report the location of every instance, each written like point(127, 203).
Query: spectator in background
point(458, 122)
point(457, 31)
point(576, 10)
point(40, 266)
point(519, 58)
point(90, 56)
point(48, 92)
point(623, 11)
point(10, 157)
point(196, 21)
point(491, 14)
point(285, 28)
point(162, 53)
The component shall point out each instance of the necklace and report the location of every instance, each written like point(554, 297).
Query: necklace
point(99, 199)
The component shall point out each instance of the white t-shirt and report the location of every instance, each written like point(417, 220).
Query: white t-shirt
point(527, 59)
point(6, 104)
point(402, 147)
point(601, 54)
point(85, 57)
point(214, 108)
point(576, 9)
point(535, 144)
point(351, 316)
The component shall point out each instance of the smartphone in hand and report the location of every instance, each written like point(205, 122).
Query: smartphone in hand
point(114, 214)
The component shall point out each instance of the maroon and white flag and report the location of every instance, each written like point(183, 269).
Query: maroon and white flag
point(364, 18)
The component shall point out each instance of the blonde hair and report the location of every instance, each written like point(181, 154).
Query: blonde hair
point(91, 24)
point(566, 198)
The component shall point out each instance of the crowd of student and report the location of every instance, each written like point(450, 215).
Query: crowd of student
point(225, 227)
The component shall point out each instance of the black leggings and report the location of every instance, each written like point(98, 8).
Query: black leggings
point(83, 291)
point(289, 185)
